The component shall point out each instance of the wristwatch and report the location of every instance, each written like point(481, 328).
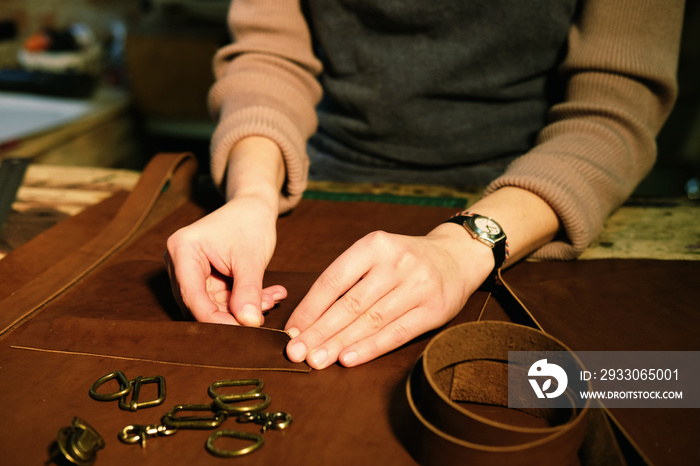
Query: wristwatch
point(485, 230)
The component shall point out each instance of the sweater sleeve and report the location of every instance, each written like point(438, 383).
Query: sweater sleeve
point(265, 85)
point(620, 74)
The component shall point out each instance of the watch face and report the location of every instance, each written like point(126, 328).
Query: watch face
point(487, 225)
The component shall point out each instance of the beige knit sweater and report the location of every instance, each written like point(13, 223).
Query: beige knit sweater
point(599, 143)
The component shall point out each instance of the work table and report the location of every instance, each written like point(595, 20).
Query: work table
point(71, 315)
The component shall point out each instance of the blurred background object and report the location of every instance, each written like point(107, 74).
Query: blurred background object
point(678, 162)
point(168, 58)
point(149, 72)
point(63, 91)
point(62, 62)
point(107, 82)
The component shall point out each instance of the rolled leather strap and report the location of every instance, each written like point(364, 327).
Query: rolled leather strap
point(450, 432)
point(164, 184)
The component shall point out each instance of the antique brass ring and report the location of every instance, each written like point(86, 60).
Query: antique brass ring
point(172, 421)
point(124, 384)
point(224, 402)
point(257, 438)
point(258, 383)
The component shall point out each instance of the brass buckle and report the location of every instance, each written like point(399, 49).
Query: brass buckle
point(258, 383)
point(225, 402)
point(127, 386)
point(136, 384)
point(172, 421)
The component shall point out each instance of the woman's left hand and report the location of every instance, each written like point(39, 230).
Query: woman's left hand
point(383, 291)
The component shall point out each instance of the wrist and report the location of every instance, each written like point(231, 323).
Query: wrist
point(529, 220)
point(256, 169)
point(474, 261)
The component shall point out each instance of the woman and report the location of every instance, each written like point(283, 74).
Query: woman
point(554, 105)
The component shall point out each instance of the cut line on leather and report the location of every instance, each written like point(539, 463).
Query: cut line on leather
point(124, 358)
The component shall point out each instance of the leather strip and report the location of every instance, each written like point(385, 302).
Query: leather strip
point(192, 343)
point(455, 433)
point(173, 171)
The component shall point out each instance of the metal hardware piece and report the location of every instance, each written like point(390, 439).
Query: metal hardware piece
point(127, 387)
point(259, 384)
point(257, 438)
point(172, 421)
point(224, 402)
point(274, 421)
point(136, 433)
point(78, 443)
point(218, 411)
point(124, 385)
point(136, 384)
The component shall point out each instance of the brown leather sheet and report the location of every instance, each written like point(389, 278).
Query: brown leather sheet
point(122, 317)
point(622, 305)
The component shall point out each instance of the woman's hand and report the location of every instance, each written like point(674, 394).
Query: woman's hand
point(383, 291)
point(387, 289)
point(216, 264)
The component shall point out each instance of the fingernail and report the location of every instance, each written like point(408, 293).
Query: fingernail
point(222, 297)
point(297, 352)
point(251, 315)
point(318, 358)
point(349, 358)
point(293, 332)
point(278, 296)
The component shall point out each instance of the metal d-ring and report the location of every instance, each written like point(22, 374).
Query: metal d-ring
point(224, 403)
point(124, 385)
point(257, 438)
point(258, 383)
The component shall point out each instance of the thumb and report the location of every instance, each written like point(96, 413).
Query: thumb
point(246, 296)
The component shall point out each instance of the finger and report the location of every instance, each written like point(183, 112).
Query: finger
point(272, 295)
point(386, 310)
point(246, 294)
point(218, 288)
point(342, 313)
point(174, 286)
point(188, 272)
point(395, 334)
point(334, 282)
